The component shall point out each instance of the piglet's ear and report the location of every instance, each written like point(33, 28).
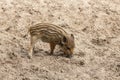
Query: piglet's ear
point(72, 36)
point(64, 39)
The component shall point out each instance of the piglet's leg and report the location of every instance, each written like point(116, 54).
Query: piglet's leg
point(33, 40)
point(52, 47)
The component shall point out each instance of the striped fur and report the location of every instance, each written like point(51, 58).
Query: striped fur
point(52, 34)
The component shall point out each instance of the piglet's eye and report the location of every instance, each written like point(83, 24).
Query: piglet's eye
point(68, 48)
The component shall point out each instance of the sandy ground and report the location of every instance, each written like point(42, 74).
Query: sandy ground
point(94, 23)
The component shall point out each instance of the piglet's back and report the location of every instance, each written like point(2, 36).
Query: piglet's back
point(48, 32)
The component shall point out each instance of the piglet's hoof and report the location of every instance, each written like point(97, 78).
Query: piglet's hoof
point(29, 57)
point(69, 56)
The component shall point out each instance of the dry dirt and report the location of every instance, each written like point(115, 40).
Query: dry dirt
point(94, 23)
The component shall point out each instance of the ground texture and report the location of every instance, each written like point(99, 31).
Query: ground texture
point(94, 23)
